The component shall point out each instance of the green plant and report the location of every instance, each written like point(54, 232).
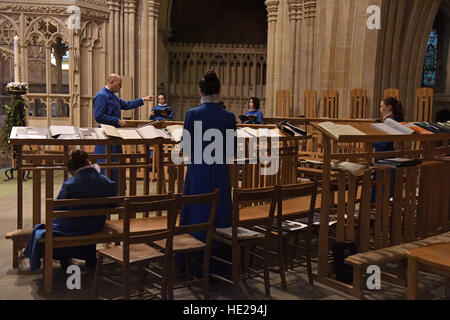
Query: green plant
point(15, 117)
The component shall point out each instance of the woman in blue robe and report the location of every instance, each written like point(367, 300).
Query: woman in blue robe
point(202, 177)
point(86, 182)
point(107, 110)
point(390, 108)
point(167, 114)
point(253, 110)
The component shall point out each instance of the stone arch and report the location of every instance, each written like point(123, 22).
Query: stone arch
point(401, 47)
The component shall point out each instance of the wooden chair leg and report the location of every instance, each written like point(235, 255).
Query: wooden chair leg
point(357, 282)
point(15, 254)
point(97, 276)
point(48, 271)
point(187, 267)
point(266, 268)
point(236, 270)
point(206, 270)
point(413, 279)
point(126, 276)
point(308, 256)
point(447, 288)
point(281, 261)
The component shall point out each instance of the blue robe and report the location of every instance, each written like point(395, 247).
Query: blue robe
point(204, 178)
point(258, 114)
point(107, 110)
point(87, 183)
point(159, 107)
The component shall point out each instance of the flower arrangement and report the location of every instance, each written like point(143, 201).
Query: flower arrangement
point(16, 86)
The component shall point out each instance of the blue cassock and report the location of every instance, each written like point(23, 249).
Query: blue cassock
point(258, 114)
point(204, 178)
point(384, 147)
point(87, 183)
point(107, 110)
point(159, 107)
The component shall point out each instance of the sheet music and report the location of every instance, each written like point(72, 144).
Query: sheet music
point(55, 131)
point(150, 132)
point(129, 134)
point(340, 129)
point(29, 133)
point(176, 130)
point(110, 131)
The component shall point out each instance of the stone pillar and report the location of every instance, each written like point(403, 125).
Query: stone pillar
point(130, 30)
point(152, 54)
point(295, 18)
point(113, 37)
point(272, 12)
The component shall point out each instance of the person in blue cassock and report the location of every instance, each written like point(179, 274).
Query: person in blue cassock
point(202, 177)
point(390, 108)
point(253, 110)
point(164, 111)
point(86, 182)
point(107, 110)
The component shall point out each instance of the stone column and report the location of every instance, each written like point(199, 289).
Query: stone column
point(272, 12)
point(309, 19)
point(295, 18)
point(130, 30)
point(152, 40)
point(113, 36)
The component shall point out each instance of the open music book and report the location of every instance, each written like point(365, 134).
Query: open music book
point(260, 132)
point(354, 168)
point(150, 132)
point(68, 132)
point(337, 130)
point(121, 133)
point(391, 126)
point(29, 133)
point(176, 131)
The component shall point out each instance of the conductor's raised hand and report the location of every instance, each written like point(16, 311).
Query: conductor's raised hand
point(148, 98)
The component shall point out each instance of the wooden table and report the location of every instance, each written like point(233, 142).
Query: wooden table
point(428, 152)
point(434, 259)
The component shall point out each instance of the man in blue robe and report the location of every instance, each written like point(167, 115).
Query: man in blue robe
point(86, 182)
point(162, 111)
point(107, 110)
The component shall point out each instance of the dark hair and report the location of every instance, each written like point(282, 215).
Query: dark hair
point(397, 108)
point(209, 84)
point(78, 159)
point(256, 103)
point(162, 94)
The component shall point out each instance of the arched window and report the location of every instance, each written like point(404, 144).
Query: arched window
point(431, 60)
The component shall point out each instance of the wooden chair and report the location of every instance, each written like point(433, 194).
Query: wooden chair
point(136, 250)
point(392, 92)
point(283, 103)
point(184, 243)
point(423, 107)
point(330, 107)
point(238, 242)
point(310, 103)
point(64, 209)
point(291, 205)
point(358, 101)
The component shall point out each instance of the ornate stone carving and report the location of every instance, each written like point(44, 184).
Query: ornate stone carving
point(309, 8)
point(295, 9)
point(153, 8)
point(272, 10)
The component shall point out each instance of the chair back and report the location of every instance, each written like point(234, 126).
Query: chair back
point(264, 215)
point(310, 103)
point(187, 200)
point(358, 101)
point(298, 190)
point(392, 92)
point(423, 106)
point(283, 103)
point(330, 107)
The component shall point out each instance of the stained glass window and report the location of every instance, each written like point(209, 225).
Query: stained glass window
point(431, 56)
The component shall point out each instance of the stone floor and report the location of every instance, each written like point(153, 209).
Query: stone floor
point(23, 284)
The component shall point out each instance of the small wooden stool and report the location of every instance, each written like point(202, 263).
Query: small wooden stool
point(434, 259)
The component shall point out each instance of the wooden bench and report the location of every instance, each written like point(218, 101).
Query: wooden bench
point(417, 216)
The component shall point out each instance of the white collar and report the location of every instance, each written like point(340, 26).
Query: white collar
point(388, 115)
point(211, 98)
point(94, 166)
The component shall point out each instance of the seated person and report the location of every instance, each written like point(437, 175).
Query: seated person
point(161, 111)
point(86, 182)
point(253, 110)
point(390, 108)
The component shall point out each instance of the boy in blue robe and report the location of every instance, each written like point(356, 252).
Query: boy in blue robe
point(162, 111)
point(86, 182)
point(107, 110)
point(253, 110)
